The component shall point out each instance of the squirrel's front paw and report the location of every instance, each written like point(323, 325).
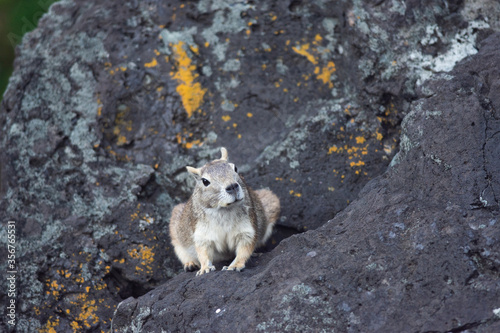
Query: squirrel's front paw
point(206, 269)
point(238, 268)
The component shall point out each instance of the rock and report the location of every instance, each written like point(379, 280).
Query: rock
point(421, 242)
point(109, 101)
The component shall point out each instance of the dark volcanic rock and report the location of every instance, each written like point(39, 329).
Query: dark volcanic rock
point(109, 101)
point(417, 252)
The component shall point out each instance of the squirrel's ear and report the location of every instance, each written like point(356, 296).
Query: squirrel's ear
point(223, 152)
point(195, 172)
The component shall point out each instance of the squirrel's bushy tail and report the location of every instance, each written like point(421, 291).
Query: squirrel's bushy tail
point(270, 203)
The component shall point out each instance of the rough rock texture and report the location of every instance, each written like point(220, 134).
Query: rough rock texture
point(110, 100)
point(421, 243)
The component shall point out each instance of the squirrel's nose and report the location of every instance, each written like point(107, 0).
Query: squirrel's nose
point(232, 188)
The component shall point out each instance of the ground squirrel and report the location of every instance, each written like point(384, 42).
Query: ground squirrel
point(223, 219)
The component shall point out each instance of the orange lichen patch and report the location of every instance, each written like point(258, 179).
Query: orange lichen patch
point(135, 214)
point(226, 118)
point(152, 63)
point(76, 327)
point(292, 192)
point(352, 153)
point(313, 54)
point(76, 305)
point(249, 115)
point(122, 140)
point(358, 163)
point(194, 49)
point(50, 326)
point(360, 140)
point(156, 52)
point(87, 315)
point(326, 74)
point(122, 124)
point(190, 145)
point(333, 149)
point(64, 273)
point(99, 107)
point(184, 140)
point(190, 91)
point(304, 50)
point(54, 288)
point(145, 255)
point(100, 286)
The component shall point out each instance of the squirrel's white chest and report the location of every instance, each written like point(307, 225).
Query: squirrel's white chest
point(223, 230)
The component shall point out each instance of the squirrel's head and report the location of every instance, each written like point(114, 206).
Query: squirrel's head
point(218, 183)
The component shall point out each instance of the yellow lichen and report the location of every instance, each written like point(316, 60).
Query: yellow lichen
point(326, 74)
point(99, 107)
point(144, 254)
point(323, 73)
point(190, 91)
point(360, 140)
point(304, 51)
point(122, 140)
point(87, 316)
point(50, 326)
point(152, 63)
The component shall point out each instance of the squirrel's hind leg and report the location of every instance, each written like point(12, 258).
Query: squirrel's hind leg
point(187, 258)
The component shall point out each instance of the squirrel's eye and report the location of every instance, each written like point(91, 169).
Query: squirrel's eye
point(205, 181)
point(235, 169)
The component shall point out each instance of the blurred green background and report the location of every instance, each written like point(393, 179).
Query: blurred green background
point(16, 18)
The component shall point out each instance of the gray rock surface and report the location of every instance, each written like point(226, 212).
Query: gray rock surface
point(110, 100)
point(417, 252)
